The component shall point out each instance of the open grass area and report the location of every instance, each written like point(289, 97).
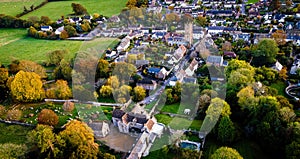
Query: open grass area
point(280, 87)
point(246, 148)
point(54, 10)
point(179, 123)
point(252, 1)
point(87, 111)
point(14, 44)
point(14, 7)
point(13, 133)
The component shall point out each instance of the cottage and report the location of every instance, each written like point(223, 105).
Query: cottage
point(125, 43)
point(277, 66)
point(100, 129)
point(192, 67)
point(178, 55)
point(46, 28)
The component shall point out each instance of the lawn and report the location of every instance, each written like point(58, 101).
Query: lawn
point(178, 123)
point(13, 133)
point(280, 87)
point(14, 7)
point(252, 1)
point(14, 44)
point(55, 10)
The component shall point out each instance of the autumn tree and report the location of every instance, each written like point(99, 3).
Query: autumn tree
point(56, 56)
point(3, 80)
point(106, 91)
point(236, 64)
point(47, 117)
point(246, 98)
point(283, 73)
point(14, 114)
point(279, 36)
point(45, 20)
point(11, 150)
point(123, 71)
point(131, 4)
point(102, 68)
point(172, 17)
point(226, 46)
point(217, 108)
point(226, 153)
point(28, 66)
point(68, 106)
point(139, 93)
point(226, 130)
point(64, 35)
point(122, 94)
point(45, 142)
point(78, 9)
point(60, 90)
point(113, 81)
point(63, 71)
point(70, 30)
point(201, 20)
point(27, 87)
point(79, 140)
point(241, 78)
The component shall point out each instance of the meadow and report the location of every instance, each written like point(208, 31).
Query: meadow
point(54, 10)
point(15, 45)
point(14, 7)
point(252, 1)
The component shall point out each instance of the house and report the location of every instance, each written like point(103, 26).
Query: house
point(229, 54)
point(147, 84)
point(114, 19)
point(125, 43)
point(59, 30)
point(117, 116)
point(46, 28)
point(162, 74)
point(215, 29)
point(178, 55)
point(100, 128)
point(111, 54)
point(107, 33)
point(192, 67)
point(277, 66)
point(214, 60)
point(139, 63)
point(198, 33)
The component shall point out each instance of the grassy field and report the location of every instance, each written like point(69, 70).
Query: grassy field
point(14, 44)
point(178, 123)
point(14, 7)
point(280, 87)
point(55, 10)
point(13, 133)
point(252, 1)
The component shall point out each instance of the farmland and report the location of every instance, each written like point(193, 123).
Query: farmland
point(14, 7)
point(14, 44)
point(55, 10)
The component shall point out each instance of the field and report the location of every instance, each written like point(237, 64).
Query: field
point(13, 133)
point(14, 44)
point(280, 87)
point(14, 7)
point(252, 1)
point(55, 10)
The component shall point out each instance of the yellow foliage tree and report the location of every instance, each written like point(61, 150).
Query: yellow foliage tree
point(61, 90)
point(27, 87)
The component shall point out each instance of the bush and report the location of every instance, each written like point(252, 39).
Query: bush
point(2, 110)
point(47, 117)
point(14, 114)
point(68, 106)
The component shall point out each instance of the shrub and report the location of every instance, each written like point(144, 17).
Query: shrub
point(2, 110)
point(68, 106)
point(47, 117)
point(14, 114)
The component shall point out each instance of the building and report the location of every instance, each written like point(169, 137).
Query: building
point(147, 84)
point(125, 43)
point(214, 60)
point(178, 55)
point(46, 28)
point(100, 129)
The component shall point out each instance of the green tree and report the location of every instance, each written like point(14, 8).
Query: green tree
point(293, 150)
point(56, 56)
point(79, 139)
point(217, 108)
point(287, 114)
point(63, 71)
point(226, 153)
point(123, 71)
point(70, 30)
point(47, 117)
point(235, 64)
point(12, 151)
point(241, 78)
point(139, 93)
point(226, 130)
point(27, 87)
point(247, 99)
point(266, 52)
point(78, 9)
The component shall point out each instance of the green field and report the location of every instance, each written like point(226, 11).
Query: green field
point(55, 10)
point(14, 44)
point(14, 7)
point(252, 1)
point(280, 87)
point(13, 133)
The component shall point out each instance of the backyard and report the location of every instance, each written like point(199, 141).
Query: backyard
point(54, 10)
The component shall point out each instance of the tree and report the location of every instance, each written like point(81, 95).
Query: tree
point(106, 91)
point(78, 9)
point(60, 90)
point(45, 141)
point(3, 75)
point(204, 101)
point(287, 114)
point(122, 94)
point(266, 52)
point(241, 78)
point(139, 93)
point(247, 99)
point(2, 110)
point(68, 106)
point(63, 71)
point(236, 64)
point(113, 81)
point(3, 81)
point(226, 46)
point(217, 108)
point(56, 56)
point(28, 66)
point(131, 4)
point(47, 117)
point(11, 151)
point(279, 36)
point(293, 150)
point(64, 35)
point(45, 20)
point(172, 17)
point(102, 68)
point(27, 87)
point(288, 3)
point(123, 71)
point(226, 130)
point(79, 140)
point(14, 114)
point(201, 20)
point(70, 30)
point(283, 73)
point(226, 153)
